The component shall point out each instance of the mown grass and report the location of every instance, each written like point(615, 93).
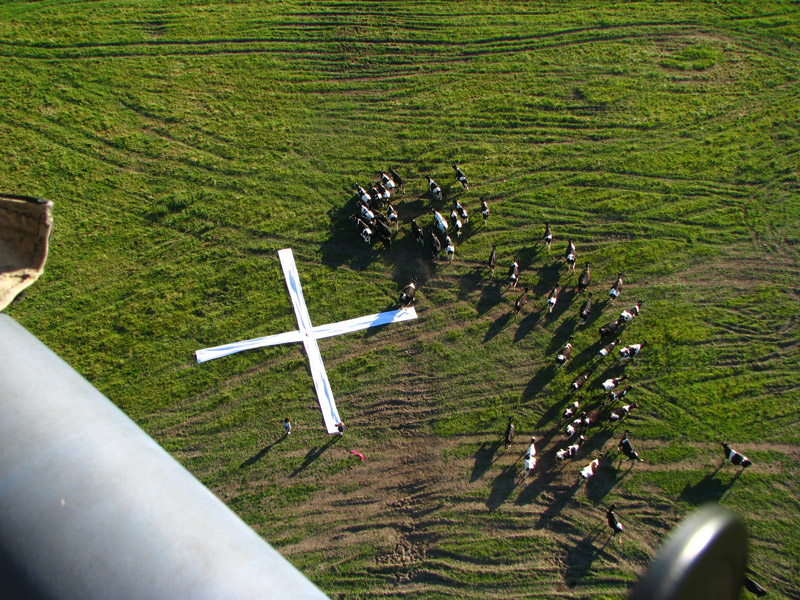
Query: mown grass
point(185, 143)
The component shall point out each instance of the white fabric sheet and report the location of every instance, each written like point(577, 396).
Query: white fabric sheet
point(309, 335)
point(330, 413)
point(320, 332)
point(357, 324)
point(270, 340)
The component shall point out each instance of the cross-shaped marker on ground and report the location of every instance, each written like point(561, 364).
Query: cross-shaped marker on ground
point(309, 336)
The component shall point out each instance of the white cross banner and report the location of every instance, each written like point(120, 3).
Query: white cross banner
point(309, 336)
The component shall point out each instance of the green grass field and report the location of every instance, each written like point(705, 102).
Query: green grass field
point(185, 142)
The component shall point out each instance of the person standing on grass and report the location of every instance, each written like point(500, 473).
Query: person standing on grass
point(340, 428)
point(287, 426)
point(509, 433)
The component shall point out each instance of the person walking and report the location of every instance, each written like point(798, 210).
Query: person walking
point(287, 426)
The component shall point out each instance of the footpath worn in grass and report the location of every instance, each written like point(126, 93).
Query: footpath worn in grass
point(184, 143)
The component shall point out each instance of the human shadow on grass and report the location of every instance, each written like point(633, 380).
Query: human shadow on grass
point(539, 382)
point(562, 305)
point(581, 557)
point(561, 335)
point(553, 411)
point(549, 274)
point(544, 473)
point(497, 326)
point(708, 489)
point(558, 503)
point(314, 454)
point(409, 259)
point(491, 295)
point(484, 458)
point(343, 244)
point(255, 458)
point(469, 281)
point(502, 486)
point(527, 324)
point(605, 480)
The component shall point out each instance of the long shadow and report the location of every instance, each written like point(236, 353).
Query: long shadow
point(601, 306)
point(556, 505)
point(595, 314)
point(581, 557)
point(409, 259)
point(526, 256)
point(314, 454)
point(497, 326)
point(469, 281)
point(484, 458)
point(502, 486)
point(343, 245)
point(542, 481)
point(527, 325)
point(408, 209)
point(490, 296)
point(549, 274)
point(552, 412)
point(468, 230)
point(596, 438)
point(539, 382)
point(255, 458)
point(589, 352)
point(614, 369)
point(561, 335)
point(450, 192)
point(603, 482)
point(563, 304)
point(708, 489)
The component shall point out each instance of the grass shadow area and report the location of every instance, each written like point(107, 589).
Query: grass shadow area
point(261, 453)
point(491, 295)
point(580, 558)
point(603, 482)
point(588, 353)
point(561, 335)
point(549, 274)
point(314, 454)
point(343, 245)
point(553, 411)
point(484, 458)
point(498, 326)
point(542, 480)
point(562, 306)
point(408, 259)
point(708, 489)
point(538, 383)
point(558, 504)
point(527, 324)
point(526, 257)
point(469, 281)
point(502, 486)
